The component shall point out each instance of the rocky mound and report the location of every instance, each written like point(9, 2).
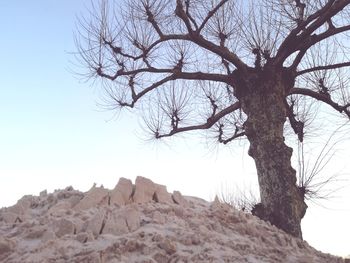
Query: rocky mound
point(140, 223)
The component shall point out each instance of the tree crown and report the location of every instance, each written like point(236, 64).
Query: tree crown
point(185, 59)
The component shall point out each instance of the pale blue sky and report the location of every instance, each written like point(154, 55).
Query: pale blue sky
point(52, 133)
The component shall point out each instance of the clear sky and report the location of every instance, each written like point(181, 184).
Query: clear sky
point(53, 133)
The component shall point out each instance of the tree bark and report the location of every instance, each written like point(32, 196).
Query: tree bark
point(262, 97)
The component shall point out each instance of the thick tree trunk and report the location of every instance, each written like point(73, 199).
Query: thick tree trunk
point(282, 203)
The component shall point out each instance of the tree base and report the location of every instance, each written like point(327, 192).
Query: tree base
point(277, 220)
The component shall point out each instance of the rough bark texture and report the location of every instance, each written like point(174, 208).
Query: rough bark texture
point(262, 95)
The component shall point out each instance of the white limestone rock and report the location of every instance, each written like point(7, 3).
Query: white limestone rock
point(94, 223)
point(63, 227)
point(115, 225)
point(10, 217)
point(121, 194)
point(179, 199)
point(6, 246)
point(21, 210)
point(144, 190)
point(60, 208)
point(133, 218)
point(161, 195)
point(94, 197)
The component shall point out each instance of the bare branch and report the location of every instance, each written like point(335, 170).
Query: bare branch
point(330, 9)
point(151, 18)
point(297, 126)
point(201, 76)
point(298, 59)
point(210, 122)
point(322, 97)
point(222, 52)
point(332, 31)
point(310, 181)
point(147, 50)
point(326, 67)
point(188, 13)
point(211, 13)
point(300, 37)
point(237, 133)
point(136, 97)
point(287, 47)
point(180, 12)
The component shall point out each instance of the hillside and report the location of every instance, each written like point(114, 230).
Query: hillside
point(141, 222)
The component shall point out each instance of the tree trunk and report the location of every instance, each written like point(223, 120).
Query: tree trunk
point(263, 101)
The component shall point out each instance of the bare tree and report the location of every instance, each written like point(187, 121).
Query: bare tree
point(240, 68)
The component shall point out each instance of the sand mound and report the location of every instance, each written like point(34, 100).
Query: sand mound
point(140, 222)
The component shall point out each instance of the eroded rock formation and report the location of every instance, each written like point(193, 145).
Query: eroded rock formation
point(140, 222)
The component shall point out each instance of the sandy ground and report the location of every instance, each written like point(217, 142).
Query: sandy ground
point(141, 222)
